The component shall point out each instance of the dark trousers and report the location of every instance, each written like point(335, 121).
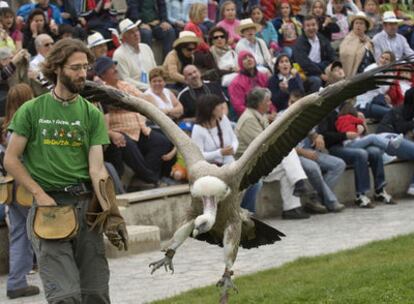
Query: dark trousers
point(166, 37)
point(142, 156)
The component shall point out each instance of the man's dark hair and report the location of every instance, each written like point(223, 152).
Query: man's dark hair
point(60, 53)
point(309, 17)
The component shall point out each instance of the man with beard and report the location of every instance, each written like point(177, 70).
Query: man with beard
point(59, 135)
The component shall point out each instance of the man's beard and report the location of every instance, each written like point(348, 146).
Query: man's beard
point(73, 86)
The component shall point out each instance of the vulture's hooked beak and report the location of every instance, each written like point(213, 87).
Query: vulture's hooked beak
point(205, 222)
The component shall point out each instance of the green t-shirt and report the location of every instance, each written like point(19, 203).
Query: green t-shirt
point(58, 139)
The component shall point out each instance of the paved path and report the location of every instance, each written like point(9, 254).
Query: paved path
point(198, 264)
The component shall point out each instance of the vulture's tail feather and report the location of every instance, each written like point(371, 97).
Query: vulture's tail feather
point(264, 234)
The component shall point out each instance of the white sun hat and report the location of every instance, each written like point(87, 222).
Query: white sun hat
point(389, 17)
point(126, 24)
point(96, 39)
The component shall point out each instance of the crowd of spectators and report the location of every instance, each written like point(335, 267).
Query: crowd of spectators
point(224, 71)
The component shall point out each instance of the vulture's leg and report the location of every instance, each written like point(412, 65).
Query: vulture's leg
point(179, 237)
point(231, 242)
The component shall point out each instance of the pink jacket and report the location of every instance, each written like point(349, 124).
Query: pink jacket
point(242, 84)
point(230, 27)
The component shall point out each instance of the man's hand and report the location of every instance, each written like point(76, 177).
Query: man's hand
point(227, 151)
point(145, 26)
point(42, 199)
point(20, 55)
point(33, 28)
point(118, 139)
point(351, 135)
point(165, 26)
point(309, 154)
point(283, 85)
point(319, 142)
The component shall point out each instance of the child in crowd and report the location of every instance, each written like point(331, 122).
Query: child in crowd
point(229, 21)
point(325, 23)
point(372, 11)
point(349, 120)
point(197, 14)
point(8, 22)
point(340, 15)
point(288, 27)
point(266, 29)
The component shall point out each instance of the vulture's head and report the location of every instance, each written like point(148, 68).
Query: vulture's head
point(211, 190)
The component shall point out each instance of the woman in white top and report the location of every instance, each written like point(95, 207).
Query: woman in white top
point(213, 132)
point(164, 99)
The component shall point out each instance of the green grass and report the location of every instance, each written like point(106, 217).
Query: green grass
point(380, 272)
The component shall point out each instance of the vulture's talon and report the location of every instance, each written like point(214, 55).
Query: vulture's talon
point(166, 262)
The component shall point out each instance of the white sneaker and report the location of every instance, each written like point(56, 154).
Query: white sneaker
point(410, 190)
point(364, 201)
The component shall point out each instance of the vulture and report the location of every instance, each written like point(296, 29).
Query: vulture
point(215, 214)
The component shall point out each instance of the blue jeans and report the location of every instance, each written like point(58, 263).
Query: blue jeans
point(167, 37)
point(2, 213)
point(21, 252)
point(323, 174)
point(249, 198)
point(376, 109)
point(405, 151)
point(369, 140)
point(360, 159)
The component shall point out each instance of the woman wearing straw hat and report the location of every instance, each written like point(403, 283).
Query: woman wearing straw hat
point(181, 55)
point(356, 51)
point(98, 44)
point(248, 29)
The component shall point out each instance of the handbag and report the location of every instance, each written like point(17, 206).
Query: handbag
point(6, 189)
point(55, 222)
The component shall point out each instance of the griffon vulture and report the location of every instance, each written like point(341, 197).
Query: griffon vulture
point(215, 214)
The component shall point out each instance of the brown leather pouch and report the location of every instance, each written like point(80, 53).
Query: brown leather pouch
point(23, 196)
point(6, 189)
point(55, 222)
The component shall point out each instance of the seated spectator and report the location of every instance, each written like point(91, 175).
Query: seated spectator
point(372, 11)
point(229, 21)
point(8, 21)
point(135, 59)
point(376, 103)
point(389, 39)
point(144, 150)
point(153, 15)
point(266, 30)
point(323, 170)
point(197, 14)
point(164, 99)
point(399, 87)
point(8, 64)
point(100, 17)
point(288, 27)
point(176, 15)
point(313, 52)
point(50, 11)
point(181, 56)
point(195, 89)
point(20, 248)
point(400, 121)
point(326, 25)
point(341, 13)
point(43, 44)
point(36, 24)
point(256, 46)
point(248, 77)
point(251, 123)
point(404, 12)
point(349, 120)
point(284, 81)
point(98, 44)
point(243, 7)
point(224, 56)
point(213, 132)
point(356, 51)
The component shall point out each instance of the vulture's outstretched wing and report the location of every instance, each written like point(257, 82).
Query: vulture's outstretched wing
point(274, 143)
point(109, 96)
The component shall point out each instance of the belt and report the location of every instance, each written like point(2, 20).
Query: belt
point(74, 190)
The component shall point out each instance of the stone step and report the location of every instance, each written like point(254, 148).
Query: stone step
point(141, 239)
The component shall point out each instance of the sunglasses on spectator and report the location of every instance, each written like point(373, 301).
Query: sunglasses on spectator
point(190, 49)
point(48, 44)
point(218, 37)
